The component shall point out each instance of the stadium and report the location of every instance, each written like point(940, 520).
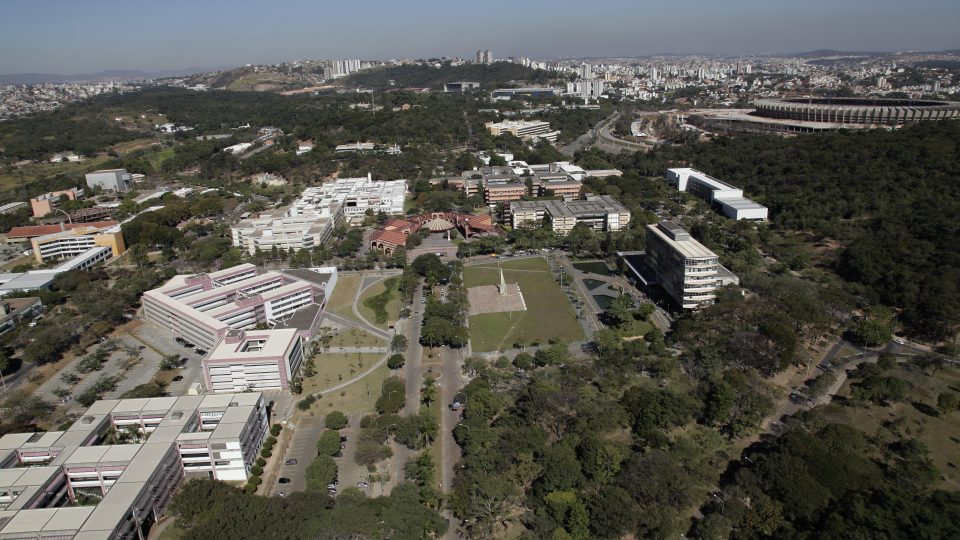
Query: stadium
point(887, 112)
point(811, 115)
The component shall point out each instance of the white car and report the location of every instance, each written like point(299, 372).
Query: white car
point(899, 341)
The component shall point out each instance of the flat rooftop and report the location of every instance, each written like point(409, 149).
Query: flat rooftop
point(679, 239)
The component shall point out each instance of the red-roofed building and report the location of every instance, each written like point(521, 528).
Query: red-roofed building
point(387, 241)
point(25, 234)
point(400, 225)
point(394, 232)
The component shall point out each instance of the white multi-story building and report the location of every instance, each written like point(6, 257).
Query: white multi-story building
point(287, 228)
point(355, 196)
point(254, 360)
point(531, 130)
point(726, 198)
point(686, 269)
point(128, 457)
point(202, 308)
point(590, 88)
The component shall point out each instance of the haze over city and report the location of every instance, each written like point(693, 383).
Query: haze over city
point(67, 37)
point(479, 270)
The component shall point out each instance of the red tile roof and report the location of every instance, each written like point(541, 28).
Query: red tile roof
point(389, 237)
point(31, 231)
point(397, 223)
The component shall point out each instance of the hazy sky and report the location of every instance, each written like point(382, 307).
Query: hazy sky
point(84, 36)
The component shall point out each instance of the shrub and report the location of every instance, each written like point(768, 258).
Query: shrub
point(261, 462)
point(276, 429)
point(329, 443)
point(306, 402)
point(336, 420)
point(396, 361)
point(256, 470)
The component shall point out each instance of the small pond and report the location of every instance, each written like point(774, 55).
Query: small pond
point(597, 267)
point(592, 284)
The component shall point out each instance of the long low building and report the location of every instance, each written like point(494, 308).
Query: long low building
point(727, 199)
point(112, 473)
point(601, 213)
point(202, 308)
point(530, 130)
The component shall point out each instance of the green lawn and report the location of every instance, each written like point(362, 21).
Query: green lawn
point(357, 338)
point(358, 397)
point(334, 368)
point(156, 159)
point(940, 433)
point(341, 301)
point(392, 308)
point(548, 316)
point(172, 532)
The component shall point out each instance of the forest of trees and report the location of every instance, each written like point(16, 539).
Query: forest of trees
point(214, 510)
point(888, 197)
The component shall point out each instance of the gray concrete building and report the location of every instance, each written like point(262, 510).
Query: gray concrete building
point(117, 180)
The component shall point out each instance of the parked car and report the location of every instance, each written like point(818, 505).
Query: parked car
point(363, 485)
point(290, 462)
point(178, 378)
point(200, 351)
point(279, 494)
point(283, 480)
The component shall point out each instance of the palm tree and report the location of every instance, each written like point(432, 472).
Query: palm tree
point(430, 391)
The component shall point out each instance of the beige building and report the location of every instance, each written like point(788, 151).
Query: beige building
point(73, 242)
point(49, 202)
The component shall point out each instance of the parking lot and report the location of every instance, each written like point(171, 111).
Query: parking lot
point(303, 448)
point(162, 342)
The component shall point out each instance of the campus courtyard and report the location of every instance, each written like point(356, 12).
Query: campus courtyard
point(548, 314)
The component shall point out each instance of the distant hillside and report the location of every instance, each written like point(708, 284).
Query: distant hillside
point(260, 79)
point(831, 52)
point(422, 76)
point(109, 75)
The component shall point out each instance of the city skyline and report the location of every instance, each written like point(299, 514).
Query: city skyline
point(70, 38)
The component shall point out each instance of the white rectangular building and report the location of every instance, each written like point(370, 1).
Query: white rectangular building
point(355, 196)
point(530, 130)
point(254, 360)
point(726, 198)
